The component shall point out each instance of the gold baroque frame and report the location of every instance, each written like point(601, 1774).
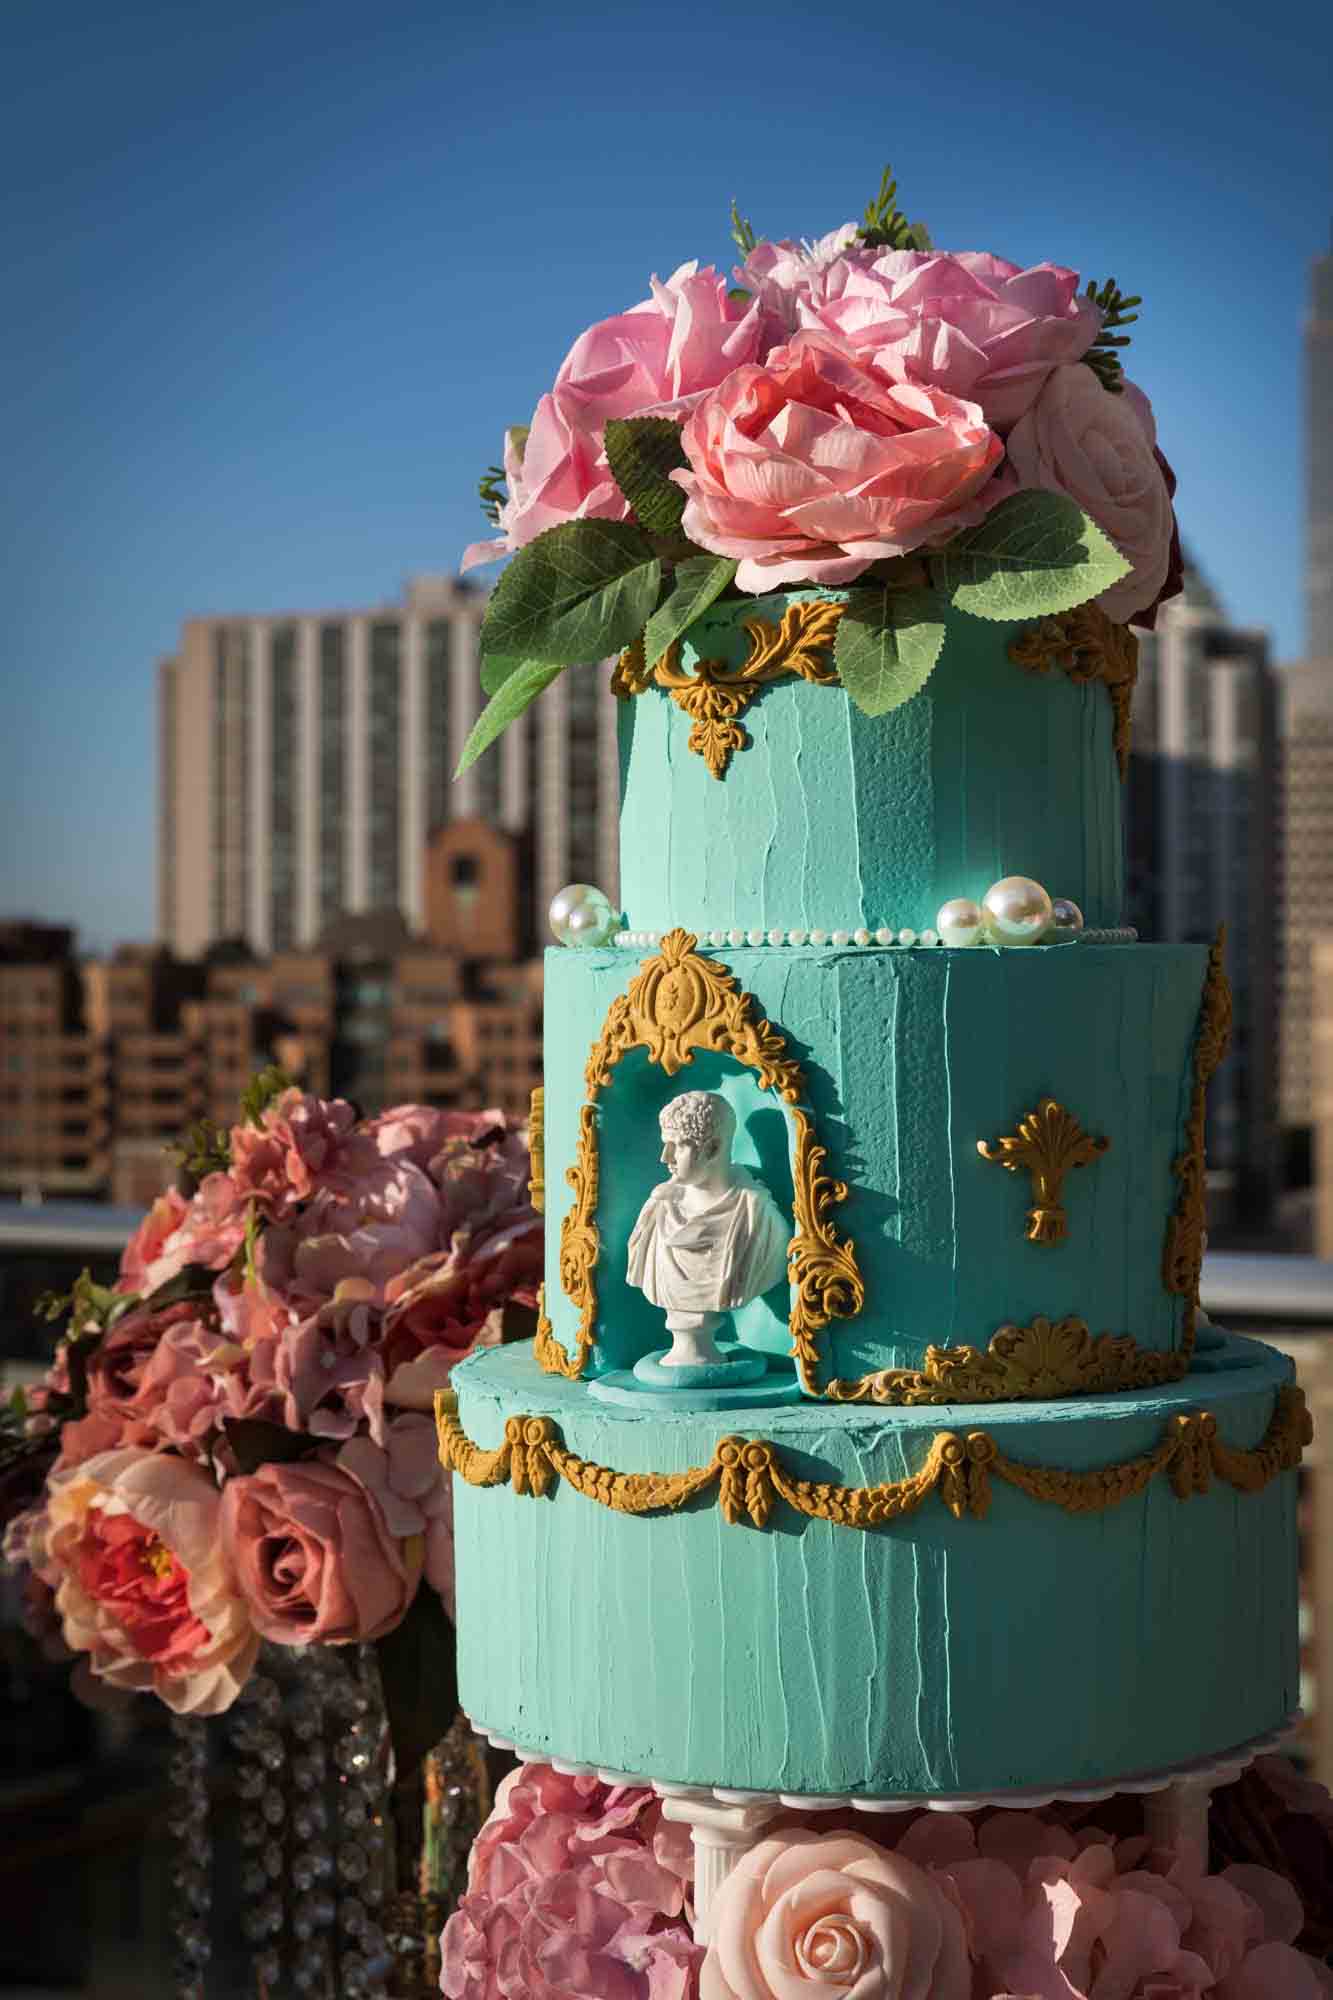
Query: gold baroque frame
point(679, 1002)
point(749, 1475)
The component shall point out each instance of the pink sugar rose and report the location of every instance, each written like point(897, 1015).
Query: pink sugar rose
point(975, 326)
point(1100, 450)
point(575, 1889)
point(657, 359)
point(313, 1555)
point(143, 1585)
point(831, 1914)
point(148, 1245)
point(811, 468)
point(298, 1145)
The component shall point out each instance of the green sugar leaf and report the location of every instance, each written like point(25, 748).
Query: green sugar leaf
point(641, 451)
point(496, 669)
point(509, 701)
point(579, 592)
point(1035, 554)
point(887, 645)
point(698, 582)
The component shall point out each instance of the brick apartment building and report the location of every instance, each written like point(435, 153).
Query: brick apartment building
point(105, 1062)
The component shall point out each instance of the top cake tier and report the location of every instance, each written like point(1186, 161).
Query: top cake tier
point(753, 797)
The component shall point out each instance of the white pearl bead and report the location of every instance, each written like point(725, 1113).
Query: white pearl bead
point(736, 936)
point(1066, 915)
point(840, 938)
point(1017, 910)
point(717, 937)
point(581, 916)
point(819, 937)
point(797, 936)
point(883, 935)
point(776, 937)
point(907, 937)
point(929, 937)
point(959, 922)
point(652, 937)
point(754, 937)
point(861, 937)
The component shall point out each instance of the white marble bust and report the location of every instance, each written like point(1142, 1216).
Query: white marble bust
point(711, 1237)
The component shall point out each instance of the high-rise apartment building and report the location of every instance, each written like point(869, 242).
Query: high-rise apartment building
point(1319, 464)
point(1203, 851)
point(306, 758)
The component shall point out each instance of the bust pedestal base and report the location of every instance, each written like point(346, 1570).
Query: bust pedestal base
point(747, 1383)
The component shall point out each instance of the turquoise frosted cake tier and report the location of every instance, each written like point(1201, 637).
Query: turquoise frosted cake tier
point(831, 819)
point(1015, 1645)
point(910, 1059)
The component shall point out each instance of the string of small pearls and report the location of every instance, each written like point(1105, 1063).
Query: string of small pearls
point(839, 939)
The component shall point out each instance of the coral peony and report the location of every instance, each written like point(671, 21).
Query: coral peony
point(658, 358)
point(144, 1262)
point(811, 468)
point(575, 1888)
point(830, 1914)
point(314, 1556)
point(143, 1585)
point(1100, 450)
point(970, 324)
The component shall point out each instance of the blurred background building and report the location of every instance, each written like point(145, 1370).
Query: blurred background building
point(304, 759)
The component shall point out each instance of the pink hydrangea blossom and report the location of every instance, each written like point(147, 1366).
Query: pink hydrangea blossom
point(298, 1145)
point(369, 1226)
point(210, 1233)
point(658, 358)
point(811, 468)
point(575, 1889)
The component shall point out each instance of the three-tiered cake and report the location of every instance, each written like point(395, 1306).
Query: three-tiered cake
point(970, 1503)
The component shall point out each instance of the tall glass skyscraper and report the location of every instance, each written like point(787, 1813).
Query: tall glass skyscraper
point(304, 759)
point(1319, 463)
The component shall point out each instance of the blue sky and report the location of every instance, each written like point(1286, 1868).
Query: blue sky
point(279, 276)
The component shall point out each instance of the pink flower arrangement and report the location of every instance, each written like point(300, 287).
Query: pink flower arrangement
point(575, 1888)
point(234, 1442)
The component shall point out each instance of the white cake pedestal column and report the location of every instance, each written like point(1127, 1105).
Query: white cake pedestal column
point(722, 1835)
point(1177, 1817)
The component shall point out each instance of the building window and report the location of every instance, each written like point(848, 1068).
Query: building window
point(439, 749)
point(464, 871)
point(332, 782)
point(385, 699)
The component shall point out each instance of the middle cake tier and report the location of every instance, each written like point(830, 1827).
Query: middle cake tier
point(969, 1144)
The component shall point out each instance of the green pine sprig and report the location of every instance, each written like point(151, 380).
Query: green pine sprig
point(263, 1088)
point(1102, 357)
point(492, 493)
point(884, 226)
point(205, 1150)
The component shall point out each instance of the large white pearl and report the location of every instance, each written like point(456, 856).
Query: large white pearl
point(581, 916)
point(1066, 915)
point(959, 921)
point(1016, 911)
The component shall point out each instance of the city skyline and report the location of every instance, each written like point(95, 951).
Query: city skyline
point(285, 278)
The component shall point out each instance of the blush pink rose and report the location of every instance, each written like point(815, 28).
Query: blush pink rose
point(810, 468)
point(146, 1248)
point(830, 1915)
point(143, 1585)
point(1100, 450)
point(313, 1555)
point(655, 359)
point(783, 275)
point(973, 325)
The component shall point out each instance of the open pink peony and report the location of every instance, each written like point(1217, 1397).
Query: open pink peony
point(142, 1582)
point(811, 468)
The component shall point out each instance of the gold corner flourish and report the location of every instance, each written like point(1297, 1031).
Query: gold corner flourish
point(1088, 646)
point(1049, 1142)
point(716, 695)
point(1182, 1255)
point(746, 1476)
point(678, 1003)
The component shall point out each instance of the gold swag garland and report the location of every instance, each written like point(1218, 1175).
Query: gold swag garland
point(748, 1475)
point(677, 1003)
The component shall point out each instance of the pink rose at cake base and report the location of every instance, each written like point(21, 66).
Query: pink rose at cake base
point(890, 444)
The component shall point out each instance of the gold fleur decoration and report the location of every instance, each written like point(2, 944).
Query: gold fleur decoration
point(1048, 1143)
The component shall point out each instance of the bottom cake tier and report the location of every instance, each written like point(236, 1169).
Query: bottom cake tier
point(848, 1600)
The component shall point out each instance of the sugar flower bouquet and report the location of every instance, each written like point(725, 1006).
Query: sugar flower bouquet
point(577, 1888)
point(234, 1442)
point(935, 429)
